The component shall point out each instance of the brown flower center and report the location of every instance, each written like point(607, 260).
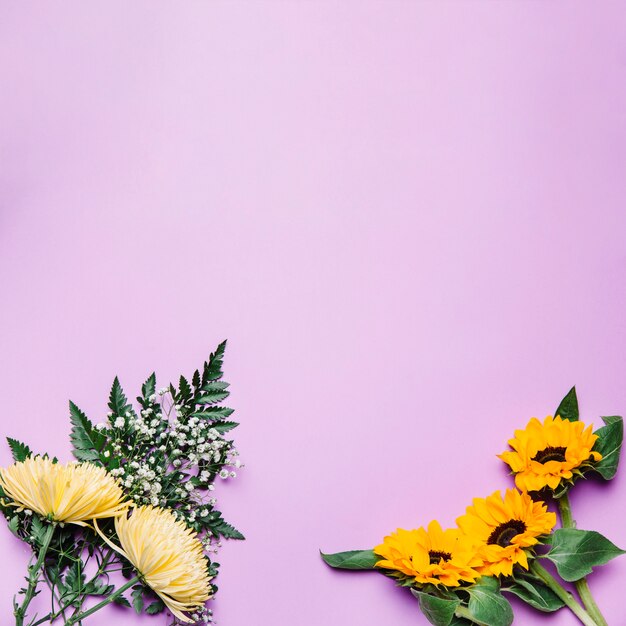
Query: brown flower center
point(503, 534)
point(550, 454)
point(436, 556)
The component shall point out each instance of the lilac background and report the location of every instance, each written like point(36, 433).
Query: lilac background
point(406, 217)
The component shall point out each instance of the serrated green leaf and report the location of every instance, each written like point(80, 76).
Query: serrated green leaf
point(19, 450)
point(224, 427)
point(117, 400)
point(13, 524)
point(149, 387)
point(86, 440)
point(352, 559)
point(536, 594)
point(487, 605)
point(576, 552)
point(219, 527)
point(568, 409)
point(212, 393)
point(438, 611)
point(609, 445)
point(195, 379)
point(213, 412)
point(137, 597)
point(213, 369)
point(122, 601)
point(156, 607)
point(184, 390)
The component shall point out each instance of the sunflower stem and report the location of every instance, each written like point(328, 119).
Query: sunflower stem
point(582, 586)
point(563, 594)
point(464, 613)
point(75, 619)
point(33, 576)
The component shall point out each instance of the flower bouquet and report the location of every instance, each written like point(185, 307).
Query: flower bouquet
point(459, 574)
point(137, 501)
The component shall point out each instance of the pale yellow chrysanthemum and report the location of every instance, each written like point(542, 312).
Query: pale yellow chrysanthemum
point(74, 493)
point(168, 556)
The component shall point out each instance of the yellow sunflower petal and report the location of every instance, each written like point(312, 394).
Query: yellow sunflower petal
point(545, 454)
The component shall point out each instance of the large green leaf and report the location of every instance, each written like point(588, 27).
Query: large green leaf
point(609, 445)
point(575, 552)
point(536, 594)
point(353, 559)
point(438, 611)
point(19, 450)
point(568, 409)
point(487, 605)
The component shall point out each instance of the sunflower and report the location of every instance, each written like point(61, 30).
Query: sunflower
point(545, 454)
point(74, 493)
point(503, 529)
point(440, 557)
point(167, 555)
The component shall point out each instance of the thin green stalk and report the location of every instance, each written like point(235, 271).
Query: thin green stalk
point(33, 576)
point(116, 594)
point(582, 586)
point(563, 594)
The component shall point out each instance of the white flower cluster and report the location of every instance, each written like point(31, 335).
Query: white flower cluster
point(184, 443)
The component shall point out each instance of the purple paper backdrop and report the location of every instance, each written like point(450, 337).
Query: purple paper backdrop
point(407, 218)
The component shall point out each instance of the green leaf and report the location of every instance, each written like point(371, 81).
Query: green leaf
point(568, 409)
point(461, 621)
point(213, 369)
point(86, 440)
point(224, 427)
point(117, 400)
point(19, 450)
point(184, 390)
point(438, 611)
point(609, 445)
point(575, 552)
point(13, 524)
point(536, 594)
point(218, 526)
point(353, 559)
point(487, 605)
point(213, 412)
point(155, 607)
point(122, 601)
point(212, 393)
point(149, 387)
point(137, 596)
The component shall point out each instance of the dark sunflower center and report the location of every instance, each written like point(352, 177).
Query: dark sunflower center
point(550, 454)
point(436, 556)
point(503, 534)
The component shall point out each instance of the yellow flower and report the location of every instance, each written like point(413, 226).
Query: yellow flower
point(74, 493)
point(545, 454)
point(503, 529)
point(434, 556)
point(167, 555)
